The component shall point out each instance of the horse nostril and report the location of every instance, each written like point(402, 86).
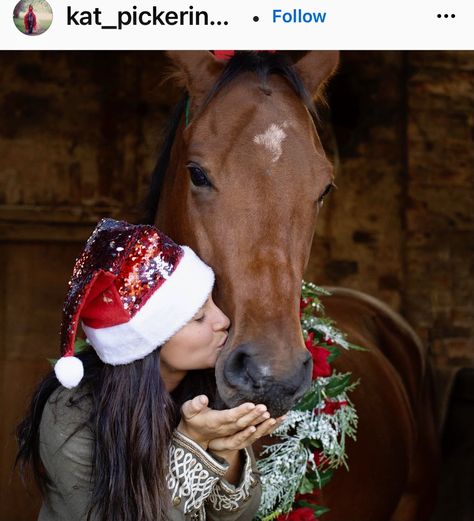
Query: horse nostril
point(242, 370)
point(253, 373)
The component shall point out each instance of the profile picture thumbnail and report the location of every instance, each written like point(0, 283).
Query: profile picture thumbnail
point(32, 17)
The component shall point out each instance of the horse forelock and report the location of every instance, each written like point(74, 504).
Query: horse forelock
point(263, 65)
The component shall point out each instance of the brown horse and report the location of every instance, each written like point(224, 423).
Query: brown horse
point(241, 179)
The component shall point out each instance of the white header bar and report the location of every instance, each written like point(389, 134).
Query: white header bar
point(238, 25)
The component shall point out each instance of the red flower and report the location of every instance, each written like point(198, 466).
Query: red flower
point(299, 514)
point(321, 365)
point(305, 302)
point(227, 55)
point(320, 460)
point(224, 55)
point(330, 407)
point(317, 457)
point(320, 355)
point(310, 340)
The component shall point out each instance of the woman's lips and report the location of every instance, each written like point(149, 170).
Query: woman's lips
point(220, 346)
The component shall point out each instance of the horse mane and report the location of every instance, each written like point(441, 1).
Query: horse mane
point(263, 64)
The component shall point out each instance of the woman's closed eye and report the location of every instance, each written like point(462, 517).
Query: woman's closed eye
point(200, 318)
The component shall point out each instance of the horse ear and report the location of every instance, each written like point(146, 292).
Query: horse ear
point(315, 68)
point(196, 71)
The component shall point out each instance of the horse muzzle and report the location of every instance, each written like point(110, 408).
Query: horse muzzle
point(248, 375)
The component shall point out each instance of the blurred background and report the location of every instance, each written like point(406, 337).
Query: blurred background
point(80, 133)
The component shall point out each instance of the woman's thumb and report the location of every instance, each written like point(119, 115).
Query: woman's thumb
point(194, 406)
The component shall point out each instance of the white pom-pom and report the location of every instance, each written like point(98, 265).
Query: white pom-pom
point(69, 371)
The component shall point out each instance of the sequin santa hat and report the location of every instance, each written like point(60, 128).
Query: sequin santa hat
point(132, 288)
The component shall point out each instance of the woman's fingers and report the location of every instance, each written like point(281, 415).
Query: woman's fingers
point(211, 423)
point(247, 436)
point(266, 428)
point(245, 414)
point(234, 442)
point(227, 422)
point(239, 418)
point(230, 416)
point(254, 417)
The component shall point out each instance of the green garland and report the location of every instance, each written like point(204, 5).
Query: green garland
point(311, 440)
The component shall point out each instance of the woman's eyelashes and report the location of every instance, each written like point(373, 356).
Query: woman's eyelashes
point(200, 318)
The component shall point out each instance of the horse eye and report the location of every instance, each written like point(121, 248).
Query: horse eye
point(328, 188)
point(198, 176)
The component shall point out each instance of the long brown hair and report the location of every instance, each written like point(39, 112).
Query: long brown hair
point(132, 417)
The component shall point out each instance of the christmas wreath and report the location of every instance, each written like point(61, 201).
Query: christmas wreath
point(310, 443)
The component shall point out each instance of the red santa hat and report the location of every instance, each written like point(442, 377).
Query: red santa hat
point(132, 288)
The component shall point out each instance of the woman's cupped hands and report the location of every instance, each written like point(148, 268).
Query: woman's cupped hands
point(228, 429)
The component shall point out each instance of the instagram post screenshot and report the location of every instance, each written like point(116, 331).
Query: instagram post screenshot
point(236, 260)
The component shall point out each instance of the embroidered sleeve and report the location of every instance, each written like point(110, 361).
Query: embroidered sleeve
point(192, 474)
point(228, 497)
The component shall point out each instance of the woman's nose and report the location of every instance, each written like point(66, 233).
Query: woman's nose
point(222, 321)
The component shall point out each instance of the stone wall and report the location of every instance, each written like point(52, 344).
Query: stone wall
point(439, 206)
point(401, 225)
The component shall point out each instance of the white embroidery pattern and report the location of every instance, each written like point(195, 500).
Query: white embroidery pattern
point(188, 479)
point(225, 496)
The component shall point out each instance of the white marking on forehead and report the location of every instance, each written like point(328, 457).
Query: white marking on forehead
point(272, 140)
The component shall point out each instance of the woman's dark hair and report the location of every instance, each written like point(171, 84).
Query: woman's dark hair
point(132, 417)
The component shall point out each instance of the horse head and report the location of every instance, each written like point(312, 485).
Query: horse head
point(245, 178)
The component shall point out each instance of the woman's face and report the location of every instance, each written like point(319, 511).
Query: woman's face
point(197, 344)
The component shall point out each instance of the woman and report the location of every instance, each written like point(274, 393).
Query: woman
point(130, 434)
point(30, 20)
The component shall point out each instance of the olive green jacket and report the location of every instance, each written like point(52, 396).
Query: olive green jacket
point(195, 478)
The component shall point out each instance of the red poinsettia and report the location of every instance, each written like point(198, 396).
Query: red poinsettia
point(299, 514)
point(331, 406)
point(320, 356)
